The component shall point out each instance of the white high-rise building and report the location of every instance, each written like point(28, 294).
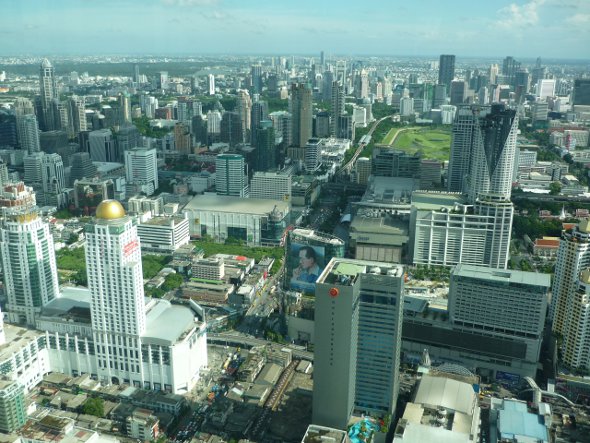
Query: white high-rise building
point(27, 130)
point(569, 308)
point(213, 122)
point(211, 84)
point(27, 255)
point(271, 186)
point(406, 106)
point(141, 170)
point(358, 324)
point(49, 97)
point(143, 342)
point(230, 178)
point(546, 88)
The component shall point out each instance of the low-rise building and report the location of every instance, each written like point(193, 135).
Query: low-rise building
point(163, 234)
point(13, 413)
point(322, 434)
point(143, 425)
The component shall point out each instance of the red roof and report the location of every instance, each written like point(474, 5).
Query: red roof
point(568, 226)
point(542, 243)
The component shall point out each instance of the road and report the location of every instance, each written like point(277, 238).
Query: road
point(233, 338)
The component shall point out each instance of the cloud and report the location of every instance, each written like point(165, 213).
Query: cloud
point(190, 2)
point(216, 15)
point(517, 16)
point(579, 19)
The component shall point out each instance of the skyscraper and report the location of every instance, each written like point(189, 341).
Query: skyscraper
point(265, 153)
point(338, 108)
point(482, 151)
point(258, 114)
point(230, 178)
point(509, 68)
point(244, 110)
point(256, 74)
point(27, 255)
point(211, 84)
point(102, 147)
point(141, 170)
point(301, 112)
point(49, 96)
point(446, 70)
point(358, 321)
point(27, 130)
point(581, 92)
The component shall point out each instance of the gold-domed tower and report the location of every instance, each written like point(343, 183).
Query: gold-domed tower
point(110, 210)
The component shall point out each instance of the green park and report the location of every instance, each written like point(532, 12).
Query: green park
point(433, 143)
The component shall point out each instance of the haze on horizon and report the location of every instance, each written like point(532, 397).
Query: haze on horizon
point(547, 28)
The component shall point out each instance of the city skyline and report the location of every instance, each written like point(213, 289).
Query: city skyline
point(550, 28)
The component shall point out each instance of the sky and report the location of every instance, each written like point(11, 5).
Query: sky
point(489, 28)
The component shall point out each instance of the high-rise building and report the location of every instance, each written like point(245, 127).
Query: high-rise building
point(141, 170)
point(128, 348)
point(231, 131)
point(244, 110)
point(439, 96)
point(82, 167)
point(358, 324)
point(265, 157)
point(259, 113)
point(49, 96)
point(301, 112)
point(13, 412)
point(211, 84)
point(136, 74)
point(338, 108)
point(312, 154)
point(53, 181)
point(76, 109)
point(546, 88)
point(282, 123)
point(482, 151)
point(27, 130)
point(458, 92)
point(509, 68)
point(446, 70)
point(27, 255)
point(162, 80)
point(271, 186)
point(256, 74)
point(581, 92)
point(230, 176)
point(569, 308)
point(102, 146)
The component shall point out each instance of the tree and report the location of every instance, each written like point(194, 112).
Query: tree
point(94, 406)
point(554, 188)
point(172, 281)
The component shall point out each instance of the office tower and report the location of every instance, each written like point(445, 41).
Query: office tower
point(256, 74)
point(338, 108)
point(327, 82)
point(13, 411)
point(27, 255)
point(458, 92)
point(446, 70)
point(125, 107)
point(406, 106)
point(199, 130)
point(265, 157)
point(387, 162)
point(500, 302)
point(570, 302)
point(232, 131)
point(141, 170)
point(362, 85)
point(182, 139)
point(439, 96)
point(281, 121)
point(322, 59)
point(522, 79)
point(82, 167)
point(322, 125)
point(230, 178)
point(244, 110)
point(345, 127)
point(8, 131)
point(258, 114)
point(301, 111)
point(3, 174)
point(482, 151)
point(271, 186)
point(136, 74)
point(32, 170)
point(49, 120)
point(162, 80)
point(127, 137)
point(76, 109)
point(28, 133)
point(509, 68)
point(546, 88)
point(312, 154)
point(358, 321)
point(211, 84)
point(447, 114)
point(102, 146)
point(213, 122)
point(581, 92)
point(53, 181)
point(340, 72)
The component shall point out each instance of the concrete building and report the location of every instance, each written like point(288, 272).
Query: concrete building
point(102, 146)
point(210, 268)
point(301, 109)
point(321, 434)
point(358, 340)
point(446, 70)
point(27, 129)
point(230, 176)
point(13, 414)
point(252, 220)
point(444, 409)
point(511, 421)
point(271, 186)
point(163, 234)
point(141, 170)
point(27, 255)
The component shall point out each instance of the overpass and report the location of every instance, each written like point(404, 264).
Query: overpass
point(244, 341)
point(538, 393)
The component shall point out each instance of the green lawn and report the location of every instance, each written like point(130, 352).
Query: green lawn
point(434, 143)
point(389, 136)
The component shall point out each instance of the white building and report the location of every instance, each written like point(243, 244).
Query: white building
point(27, 129)
point(254, 221)
point(210, 268)
point(141, 170)
point(211, 84)
point(271, 186)
point(545, 88)
point(230, 176)
point(163, 234)
point(27, 255)
point(312, 154)
point(447, 114)
point(406, 106)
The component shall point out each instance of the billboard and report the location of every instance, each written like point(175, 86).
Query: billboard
point(305, 266)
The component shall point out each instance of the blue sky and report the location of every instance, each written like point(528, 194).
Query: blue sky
point(549, 28)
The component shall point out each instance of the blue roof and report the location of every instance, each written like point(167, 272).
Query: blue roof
point(515, 421)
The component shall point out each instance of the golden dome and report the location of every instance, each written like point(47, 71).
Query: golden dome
point(110, 210)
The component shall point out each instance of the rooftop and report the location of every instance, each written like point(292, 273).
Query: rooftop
point(322, 434)
point(339, 268)
point(225, 203)
point(162, 221)
point(515, 422)
point(508, 276)
point(432, 201)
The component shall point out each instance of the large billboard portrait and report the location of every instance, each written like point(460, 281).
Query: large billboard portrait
point(306, 263)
